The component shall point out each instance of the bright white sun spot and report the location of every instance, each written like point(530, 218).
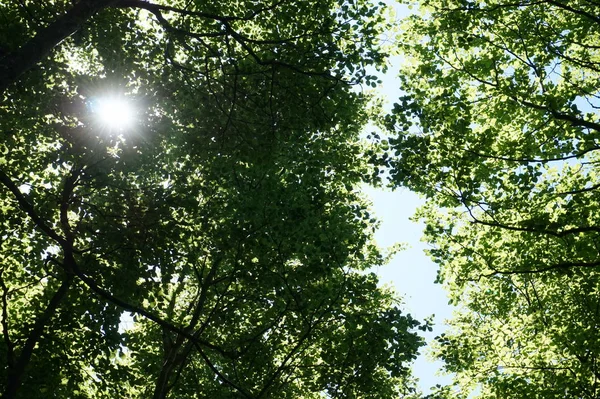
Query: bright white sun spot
point(115, 113)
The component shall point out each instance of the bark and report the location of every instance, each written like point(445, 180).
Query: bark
point(15, 64)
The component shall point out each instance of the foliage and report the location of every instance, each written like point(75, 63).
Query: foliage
point(225, 221)
point(499, 129)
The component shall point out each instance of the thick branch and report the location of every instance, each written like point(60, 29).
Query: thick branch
point(29, 209)
point(157, 8)
point(572, 119)
point(15, 375)
point(540, 229)
point(534, 160)
point(557, 266)
point(565, 6)
point(5, 330)
point(15, 64)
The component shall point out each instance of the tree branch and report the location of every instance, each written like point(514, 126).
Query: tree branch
point(91, 284)
point(534, 229)
point(565, 6)
point(557, 266)
point(220, 375)
point(154, 8)
point(13, 65)
point(533, 160)
point(70, 266)
point(5, 330)
point(15, 375)
point(29, 209)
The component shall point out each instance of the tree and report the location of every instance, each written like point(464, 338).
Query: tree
point(499, 129)
point(224, 221)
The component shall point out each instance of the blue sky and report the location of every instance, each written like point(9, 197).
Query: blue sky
point(410, 271)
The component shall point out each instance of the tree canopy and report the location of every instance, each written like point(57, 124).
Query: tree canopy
point(180, 206)
point(498, 128)
point(216, 246)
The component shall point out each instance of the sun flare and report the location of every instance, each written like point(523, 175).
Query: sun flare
point(115, 113)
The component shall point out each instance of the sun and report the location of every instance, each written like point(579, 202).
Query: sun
point(114, 113)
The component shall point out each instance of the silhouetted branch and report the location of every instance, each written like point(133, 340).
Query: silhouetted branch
point(13, 65)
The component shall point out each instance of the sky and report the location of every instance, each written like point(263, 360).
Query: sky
point(410, 272)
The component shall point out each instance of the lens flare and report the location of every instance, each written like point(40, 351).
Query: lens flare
point(114, 113)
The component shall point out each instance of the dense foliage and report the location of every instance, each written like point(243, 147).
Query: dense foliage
point(499, 128)
point(216, 247)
